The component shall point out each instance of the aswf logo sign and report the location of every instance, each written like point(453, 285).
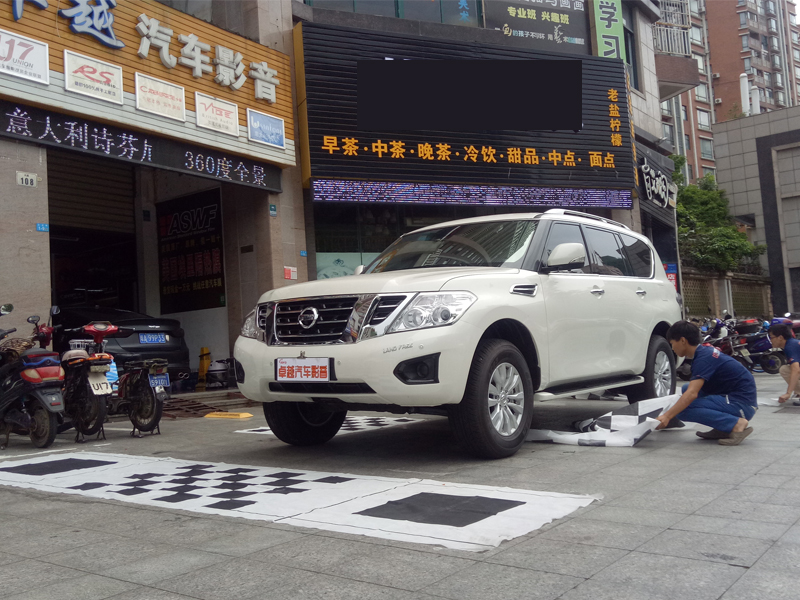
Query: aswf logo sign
point(193, 220)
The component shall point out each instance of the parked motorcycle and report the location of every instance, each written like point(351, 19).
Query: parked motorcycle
point(30, 387)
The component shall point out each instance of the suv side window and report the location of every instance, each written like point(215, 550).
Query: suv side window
point(639, 256)
point(606, 255)
point(564, 233)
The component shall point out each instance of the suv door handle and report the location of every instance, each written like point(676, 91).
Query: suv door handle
point(598, 291)
point(641, 292)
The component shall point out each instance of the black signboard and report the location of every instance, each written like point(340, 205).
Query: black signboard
point(191, 266)
point(47, 127)
point(598, 157)
point(554, 25)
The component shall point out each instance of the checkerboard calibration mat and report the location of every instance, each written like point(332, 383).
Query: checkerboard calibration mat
point(351, 425)
point(458, 516)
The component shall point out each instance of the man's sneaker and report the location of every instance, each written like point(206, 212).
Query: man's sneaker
point(734, 439)
point(714, 434)
point(796, 402)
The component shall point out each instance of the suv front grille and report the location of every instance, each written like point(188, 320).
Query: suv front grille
point(333, 315)
point(386, 306)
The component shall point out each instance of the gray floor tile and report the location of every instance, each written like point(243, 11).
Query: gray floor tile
point(194, 530)
point(562, 558)
point(792, 535)
point(249, 541)
point(753, 529)
point(499, 581)
point(753, 511)
point(316, 585)
point(148, 593)
point(237, 578)
point(153, 569)
point(7, 559)
point(601, 533)
point(640, 575)
point(634, 516)
point(766, 583)
point(28, 575)
point(686, 500)
point(99, 558)
point(783, 557)
point(738, 551)
point(785, 497)
point(87, 587)
point(55, 539)
point(771, 481)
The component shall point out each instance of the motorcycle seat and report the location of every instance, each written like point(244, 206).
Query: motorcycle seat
point(72, 354)
point(34, 351)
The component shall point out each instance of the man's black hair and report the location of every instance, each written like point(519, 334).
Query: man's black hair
point(782, 330)
point(684, 329)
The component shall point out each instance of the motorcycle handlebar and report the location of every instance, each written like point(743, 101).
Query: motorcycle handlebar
point(7, 332)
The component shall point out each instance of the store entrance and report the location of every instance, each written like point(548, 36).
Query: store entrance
point(92, 231)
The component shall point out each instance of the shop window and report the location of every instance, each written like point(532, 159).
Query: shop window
point(668, 133)
point(706, 149)
point(631, 48)
point(343, 5)
point(704, 119)
point(421, 10)
point(223, 14)
point(701, 92)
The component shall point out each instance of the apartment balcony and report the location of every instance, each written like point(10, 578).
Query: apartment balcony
point(778, 83)
point(671, 40)
point(769, 8)
point(756, 26)
point(760, 63)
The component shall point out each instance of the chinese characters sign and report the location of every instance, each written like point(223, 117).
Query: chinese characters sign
point(609, 32)
point(30, 124)
point(597, 157)
point(554, 25)
point(24, 57)
point(191, 268)
point(92, 17)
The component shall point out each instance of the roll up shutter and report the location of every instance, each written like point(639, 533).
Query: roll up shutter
point(87, 192)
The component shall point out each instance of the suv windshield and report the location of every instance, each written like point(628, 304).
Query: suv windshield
point(489, 244)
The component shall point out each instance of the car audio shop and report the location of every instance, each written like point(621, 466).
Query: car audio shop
point(139, 136)
point(403, 132)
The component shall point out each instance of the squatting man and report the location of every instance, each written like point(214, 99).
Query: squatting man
point(781, 337)
point(721, 393)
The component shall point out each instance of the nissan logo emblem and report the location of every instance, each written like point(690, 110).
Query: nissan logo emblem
point(308, 317)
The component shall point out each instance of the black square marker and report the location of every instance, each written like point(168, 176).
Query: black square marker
point(333, 480)
point(237, 478)
point(404, 420)
point(139, 483)
point(92, 485)
point(182, 488)
point(195, 467)
point(441, 509)
point(195, 473)
point(231, 486)
point(285, 482)
point(230, 504)
point(57, 466)
point(145, 475)
point(232, 495)
point(239, 471)
point(184, 480)
point(131, 491)
point(283, 474)
point(285, 490)
point(179, 497)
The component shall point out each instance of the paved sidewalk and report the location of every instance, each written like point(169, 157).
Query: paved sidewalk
point(680, 518)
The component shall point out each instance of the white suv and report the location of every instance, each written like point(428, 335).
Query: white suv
point(473, 319)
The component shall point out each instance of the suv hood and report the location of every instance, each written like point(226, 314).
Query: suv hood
point(410, 280)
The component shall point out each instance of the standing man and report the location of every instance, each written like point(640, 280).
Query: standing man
point(721, 393)
point(781, 337)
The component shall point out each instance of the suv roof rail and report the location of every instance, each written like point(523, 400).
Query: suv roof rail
point(575, 213)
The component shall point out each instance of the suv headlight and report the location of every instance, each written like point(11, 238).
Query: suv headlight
point(432, 310)
point(250, 326)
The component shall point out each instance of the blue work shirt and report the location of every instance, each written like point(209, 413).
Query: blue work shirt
point(723, 376)
point(792, 350)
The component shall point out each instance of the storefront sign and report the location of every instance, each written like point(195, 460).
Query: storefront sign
point(672, 273)
point(92, 77)
point(657, 186)
point(24, 57)
point(491, 167)
point(96, 20)
point(609, 29)
point(265, 129)
point(21, 122)
point(191, 265)
point(216, 114)
point(554, 25)
point(160, 97)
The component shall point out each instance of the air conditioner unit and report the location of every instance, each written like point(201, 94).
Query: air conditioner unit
point(717, 100)
point(715, 76)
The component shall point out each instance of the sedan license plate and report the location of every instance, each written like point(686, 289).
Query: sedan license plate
point(152, 338)
point(162, 380)
point(302, 369)
point(99, 384)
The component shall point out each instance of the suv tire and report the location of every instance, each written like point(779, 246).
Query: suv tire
point(302, 423)
point(659, 373)
point(492, 419)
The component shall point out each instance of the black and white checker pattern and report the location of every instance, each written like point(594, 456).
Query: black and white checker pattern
point(466, 517)
point(351, 425)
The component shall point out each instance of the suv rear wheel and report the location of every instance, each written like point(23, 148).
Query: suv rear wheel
point(659, 373)
point(493, 418)
point(302, 423)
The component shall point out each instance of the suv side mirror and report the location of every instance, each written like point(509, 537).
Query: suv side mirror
point(33, 319)
point(6, 308)
point(566, 256)
point(359, 270)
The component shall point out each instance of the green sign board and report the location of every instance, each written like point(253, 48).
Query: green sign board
point(608, 28)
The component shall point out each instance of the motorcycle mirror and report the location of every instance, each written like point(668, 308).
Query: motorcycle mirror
point(6, 308)
point(54, 310)
point(33, 319)
point(788, 315)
